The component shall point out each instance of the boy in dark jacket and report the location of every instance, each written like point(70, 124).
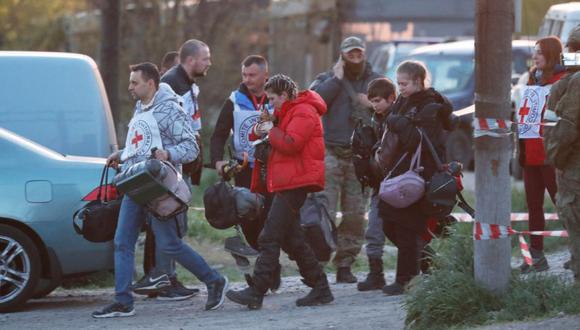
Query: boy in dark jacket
point(381, 94)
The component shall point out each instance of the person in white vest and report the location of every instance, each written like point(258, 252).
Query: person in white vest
point(239, 113)
point(539, 175)
point(158, 122)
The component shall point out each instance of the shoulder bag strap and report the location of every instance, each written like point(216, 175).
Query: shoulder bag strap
point(416, 160)
point(350, 91)
point(104, 174)
point(433, 151)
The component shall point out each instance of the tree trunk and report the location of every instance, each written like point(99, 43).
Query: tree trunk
point(110, 27)
point(494, 23)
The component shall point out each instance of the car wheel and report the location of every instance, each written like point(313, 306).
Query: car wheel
point(459, 148)
point(19, 268)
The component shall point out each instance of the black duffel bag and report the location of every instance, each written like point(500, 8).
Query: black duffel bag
point(319, 229)
point(220, 205)
point(97, 221)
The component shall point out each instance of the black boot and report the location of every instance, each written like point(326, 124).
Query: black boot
point(394, 289)
point(375, 279)
point(343, 275)
point(248, 297)
point(319, 295)
point(276, 279)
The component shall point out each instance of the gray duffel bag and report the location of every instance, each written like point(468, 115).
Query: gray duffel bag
point(157, 186)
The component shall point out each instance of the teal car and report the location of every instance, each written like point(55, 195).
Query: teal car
point(40, 190)
point(54, 105)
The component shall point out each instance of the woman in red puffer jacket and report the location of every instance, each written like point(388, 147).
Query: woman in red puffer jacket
point(294, 167)
point(539, 176)
point(297, 154)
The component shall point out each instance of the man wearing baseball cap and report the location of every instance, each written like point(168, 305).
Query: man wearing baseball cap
point(562, 146)
point(344, 89)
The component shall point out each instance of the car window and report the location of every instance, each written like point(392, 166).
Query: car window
point(566, 29)
point(449, 73)
point(521, 61)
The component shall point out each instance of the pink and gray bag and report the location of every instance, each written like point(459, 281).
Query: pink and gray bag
point(407, 188)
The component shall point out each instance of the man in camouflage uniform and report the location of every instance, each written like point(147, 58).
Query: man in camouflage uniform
point(563, 150)
point(344, 90)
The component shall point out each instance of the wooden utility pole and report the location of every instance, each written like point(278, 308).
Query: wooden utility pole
point(109, 66)
point(494, 24)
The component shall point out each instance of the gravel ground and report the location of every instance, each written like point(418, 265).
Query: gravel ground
point(71, 309)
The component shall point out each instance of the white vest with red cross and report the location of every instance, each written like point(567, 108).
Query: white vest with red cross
point(531, 110)
point(143, 136)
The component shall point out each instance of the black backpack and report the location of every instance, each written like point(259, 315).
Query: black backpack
point(362, 142)
point(442, 189)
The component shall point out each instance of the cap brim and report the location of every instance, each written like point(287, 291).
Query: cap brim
point(346, 50)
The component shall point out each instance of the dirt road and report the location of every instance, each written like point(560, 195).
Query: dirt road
point(69, 309)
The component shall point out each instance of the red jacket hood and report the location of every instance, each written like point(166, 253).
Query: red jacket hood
point(309, 97)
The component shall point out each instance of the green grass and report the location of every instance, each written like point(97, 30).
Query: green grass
point(451, 298)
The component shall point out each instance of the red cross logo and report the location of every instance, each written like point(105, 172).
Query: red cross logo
point(136, 139)
point(524, 110)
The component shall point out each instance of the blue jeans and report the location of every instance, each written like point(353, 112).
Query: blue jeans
point(375, 236)
point(131, 219)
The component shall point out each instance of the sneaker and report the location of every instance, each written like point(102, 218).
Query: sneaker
point(176, 292)
point(539, 263)
point(114, 310)
point(235, 245)
point(151, 284)
point(216, 293)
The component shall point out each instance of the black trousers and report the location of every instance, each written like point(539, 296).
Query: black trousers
point(410, 245)
point(282, 229)
point(252, 229)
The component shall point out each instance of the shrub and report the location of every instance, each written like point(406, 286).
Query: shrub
point(450, 296)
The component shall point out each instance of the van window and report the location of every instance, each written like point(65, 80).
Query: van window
point(56, 102)
point(546, 27)
point(556, 29)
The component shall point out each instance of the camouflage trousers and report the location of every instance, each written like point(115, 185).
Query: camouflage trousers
point(342, 186)
point(568, 204)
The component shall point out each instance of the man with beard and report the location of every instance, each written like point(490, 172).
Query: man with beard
point(344, 90)
point(194, 62)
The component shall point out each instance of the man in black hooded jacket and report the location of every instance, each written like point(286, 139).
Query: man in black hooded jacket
point(344, 90)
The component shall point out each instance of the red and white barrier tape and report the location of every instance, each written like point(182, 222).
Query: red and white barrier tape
point(485, 231)
point(464, 217)
point(461, 217)
point(491, 127)
point(498, 127)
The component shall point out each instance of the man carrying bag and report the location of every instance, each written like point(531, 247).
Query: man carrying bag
point(158, 122)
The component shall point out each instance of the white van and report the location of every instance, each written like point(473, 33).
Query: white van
point(560, 20)
point(57, 100)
